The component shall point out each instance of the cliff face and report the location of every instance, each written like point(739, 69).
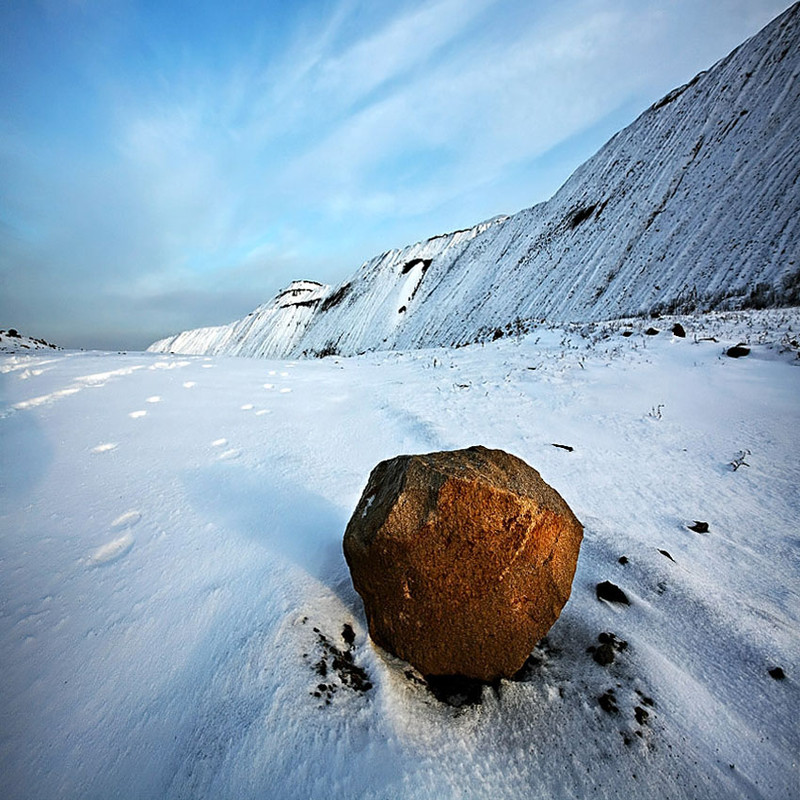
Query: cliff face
point(694, 205)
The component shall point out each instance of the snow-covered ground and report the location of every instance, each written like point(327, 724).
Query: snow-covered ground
point(173, 588)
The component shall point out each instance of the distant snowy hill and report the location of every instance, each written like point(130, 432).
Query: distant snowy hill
point(693, 206)
point(11, 341)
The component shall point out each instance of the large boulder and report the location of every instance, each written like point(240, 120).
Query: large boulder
point(464, 560)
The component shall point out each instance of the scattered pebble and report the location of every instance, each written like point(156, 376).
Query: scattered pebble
point(699, 527)
point(777, 673)
point(611, 593)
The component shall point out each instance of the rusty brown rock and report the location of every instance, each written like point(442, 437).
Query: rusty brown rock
point(464, 560)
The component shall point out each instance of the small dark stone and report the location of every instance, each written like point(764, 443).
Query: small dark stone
point(348, 634)
point(737, 351)
point(777, 673)
point(604, 655)
point(651, 332)
point(641, 715)
point(623, 560)
point(608, 702)
point(667, 555)
point(627, 333)
point(646, 701)
point(678, 330)
point(699, 527)
point(612, 593)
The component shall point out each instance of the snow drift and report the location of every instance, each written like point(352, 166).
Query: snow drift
point(693, 206)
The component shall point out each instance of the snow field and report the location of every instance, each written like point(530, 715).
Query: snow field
point(162, 576)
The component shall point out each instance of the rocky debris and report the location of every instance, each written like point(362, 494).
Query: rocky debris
point(626, 334)
point(678, 330)
point(737, 351)
point(608, 702)
point(12, 339)
point(336, 666)
point(464, 560)
point(611, 593)
point(651, 332)
point(610, 645)
point(777, 673)
point(699, 527)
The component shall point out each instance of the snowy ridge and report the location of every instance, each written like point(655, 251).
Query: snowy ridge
point(693, 206)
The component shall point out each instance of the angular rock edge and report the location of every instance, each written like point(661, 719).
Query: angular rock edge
point(464, 560)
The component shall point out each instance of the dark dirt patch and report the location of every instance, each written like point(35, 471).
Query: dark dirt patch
point(608, 702)
point(456, 690)
point(606, 652)
point(337, 665)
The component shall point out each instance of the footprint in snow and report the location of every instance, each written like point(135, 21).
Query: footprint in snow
point(154, 399)
point(137, 414)
point(112, 550)
point(285, 390)
point(105, 447)
point(229, 455)
point(189, 384)
point(219, 442)
point(247, 407)
point(126, 520)
point(262, 411)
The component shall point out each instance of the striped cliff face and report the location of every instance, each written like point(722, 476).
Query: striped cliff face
point(694, 206)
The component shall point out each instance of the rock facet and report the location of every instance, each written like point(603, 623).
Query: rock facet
point(464, 560)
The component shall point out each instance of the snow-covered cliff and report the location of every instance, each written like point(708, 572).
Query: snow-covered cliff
point(694, 205)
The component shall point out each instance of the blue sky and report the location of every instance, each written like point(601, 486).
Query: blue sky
point(166, 165)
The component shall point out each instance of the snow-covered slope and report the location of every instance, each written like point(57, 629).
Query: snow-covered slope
point(172, 586)
point(694, 205)
point(11, 341)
